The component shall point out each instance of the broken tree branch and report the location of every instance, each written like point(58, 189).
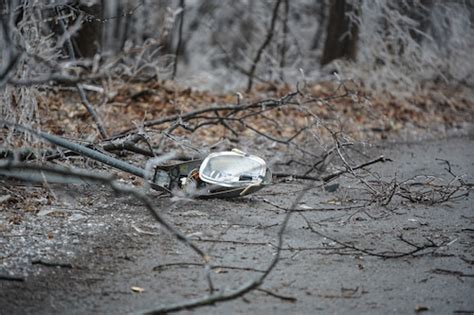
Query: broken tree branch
point(337, 174)
point(269, 103)
point(45, 171)
point(332, 176)
point(92, 112)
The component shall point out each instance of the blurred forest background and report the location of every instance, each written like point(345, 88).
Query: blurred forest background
point(308, 85)
point(388, 47)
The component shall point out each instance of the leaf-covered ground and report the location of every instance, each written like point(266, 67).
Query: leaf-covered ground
point(359, 114)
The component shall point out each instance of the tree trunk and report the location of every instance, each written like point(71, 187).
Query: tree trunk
point(322, 17)
point(342, 33)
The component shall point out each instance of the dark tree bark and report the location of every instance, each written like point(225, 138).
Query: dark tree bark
point(88, 39)
point(180, 38)
point(342, 33)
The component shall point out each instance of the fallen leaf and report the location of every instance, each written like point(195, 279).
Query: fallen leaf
point(332, 202)
point(137, 289)
point(44, 212)
point(421, 308)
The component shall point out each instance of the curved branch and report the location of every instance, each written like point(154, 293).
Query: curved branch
point(230, 294)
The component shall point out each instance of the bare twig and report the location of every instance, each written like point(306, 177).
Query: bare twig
point(11, 278)
point(389, 255)
point(332, 176)
point(392, 193)
point(206, 240)
point(337, 174)
point(241, 69)
point(279, 296)
point(270, 103)
point(213, 267)
point(350, 169)
point(264, 45)
point(456, 273)
point(230, 294)
point(51, 263)
point(92, 112)
point(428, 192)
